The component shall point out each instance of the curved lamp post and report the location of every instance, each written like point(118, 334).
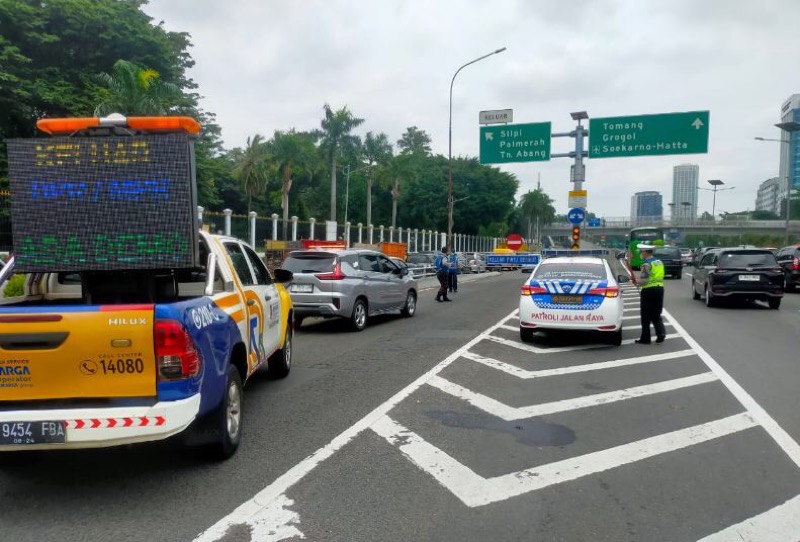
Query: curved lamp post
point(450, 147)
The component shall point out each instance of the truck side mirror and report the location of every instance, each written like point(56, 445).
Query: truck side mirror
point(282, 276)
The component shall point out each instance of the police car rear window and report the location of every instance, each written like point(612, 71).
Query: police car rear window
point(579, 271)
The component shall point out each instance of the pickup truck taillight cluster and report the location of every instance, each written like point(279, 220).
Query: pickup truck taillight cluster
point(176, 355)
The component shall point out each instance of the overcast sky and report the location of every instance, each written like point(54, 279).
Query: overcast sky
point(264, 65)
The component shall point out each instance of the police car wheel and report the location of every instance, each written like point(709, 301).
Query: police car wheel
point(614, 338)
point(526, 334)
point(280, 363)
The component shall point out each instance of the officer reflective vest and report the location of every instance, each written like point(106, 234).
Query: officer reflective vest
point(656, 275)
point(453, 263)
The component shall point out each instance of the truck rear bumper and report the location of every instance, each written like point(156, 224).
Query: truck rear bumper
point(104, 427)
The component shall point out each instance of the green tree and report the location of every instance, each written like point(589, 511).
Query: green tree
point(536, 210)
point(136, 91)
point(377, 152)
point(335, 134)
point(50, 53)
point(414, 141)
point(252, 168)
point(764, 215)
point(290, 150)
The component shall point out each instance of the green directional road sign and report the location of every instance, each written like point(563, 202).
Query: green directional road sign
point(649, 135)
point(515, 143)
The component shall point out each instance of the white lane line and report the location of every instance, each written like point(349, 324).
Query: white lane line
point(631, 317)
point(509, 413)
point(526, 374)
point(510, 328)
point(689, 274)
point(536, 350)
point(474, 490)
point(631, 309)
point(258, 513)
point(784, 440)
point(781, 524)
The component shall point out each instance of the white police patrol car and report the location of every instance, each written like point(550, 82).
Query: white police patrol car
point(572, 292)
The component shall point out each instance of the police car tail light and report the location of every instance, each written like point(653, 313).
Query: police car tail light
point(527, 289)
point(176, 355)
point(796, 264)
point(611, 291)
point(336, 274)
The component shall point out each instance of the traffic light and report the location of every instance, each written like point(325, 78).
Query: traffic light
point(576, 237)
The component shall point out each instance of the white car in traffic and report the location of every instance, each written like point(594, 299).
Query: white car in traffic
point(572, 293)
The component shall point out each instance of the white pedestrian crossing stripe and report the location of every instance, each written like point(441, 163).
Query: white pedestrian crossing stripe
point(571, 369)
point(508, 413)
point(474, 490)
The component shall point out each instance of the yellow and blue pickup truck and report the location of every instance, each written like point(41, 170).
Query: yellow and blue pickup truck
point(131, 324)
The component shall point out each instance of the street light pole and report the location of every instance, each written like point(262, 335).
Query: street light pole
point(347, 186)
point(788, 128)
point(715, 184)
point(450, 147)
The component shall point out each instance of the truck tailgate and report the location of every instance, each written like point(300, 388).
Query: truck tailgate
point(95, 351)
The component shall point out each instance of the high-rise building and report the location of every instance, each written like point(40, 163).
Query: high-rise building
point(790, 154)
point(647, 206)
point(769, 196)
point(684, 191)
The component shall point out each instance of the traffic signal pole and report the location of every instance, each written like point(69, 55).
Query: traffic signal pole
point(578, 170)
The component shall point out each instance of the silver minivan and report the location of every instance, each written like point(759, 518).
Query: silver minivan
point(352, 284)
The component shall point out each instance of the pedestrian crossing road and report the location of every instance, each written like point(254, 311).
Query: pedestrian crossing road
point(559, 439)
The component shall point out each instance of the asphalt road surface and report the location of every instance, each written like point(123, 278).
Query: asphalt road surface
point(446, 427)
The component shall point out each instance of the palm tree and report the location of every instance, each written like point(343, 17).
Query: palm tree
point(134, 90)
point(335, 134)
point(399, 168)
point(252, 168)
point(290, 150)
point(377, 151)
point(538, 208)
point(414, 141)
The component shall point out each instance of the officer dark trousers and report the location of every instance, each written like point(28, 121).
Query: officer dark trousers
point(652, 303)
point(444, 279)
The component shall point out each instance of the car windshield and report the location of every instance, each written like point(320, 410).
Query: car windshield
point(667, 253)
point(570, 271)
point(309, 264)
point(747, 259)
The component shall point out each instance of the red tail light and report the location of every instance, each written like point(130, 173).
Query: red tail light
point(336, 274)
point(176, 355)
point(611, 291)
point(796, 263)
point(527, 289)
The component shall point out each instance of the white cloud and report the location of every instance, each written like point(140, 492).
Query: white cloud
point(268, 64)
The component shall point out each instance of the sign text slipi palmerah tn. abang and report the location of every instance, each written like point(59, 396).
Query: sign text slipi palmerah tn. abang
point(103, 203)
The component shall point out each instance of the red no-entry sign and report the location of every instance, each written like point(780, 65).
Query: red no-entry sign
point(514, 241)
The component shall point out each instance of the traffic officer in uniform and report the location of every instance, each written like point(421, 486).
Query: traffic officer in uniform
point(442, 274)
point(453, 272)
point(651, 295)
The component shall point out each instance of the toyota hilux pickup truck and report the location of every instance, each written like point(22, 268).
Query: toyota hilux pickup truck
point(140, 330)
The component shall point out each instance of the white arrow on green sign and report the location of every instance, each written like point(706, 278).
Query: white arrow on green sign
point(515, 143)
point(649, 135)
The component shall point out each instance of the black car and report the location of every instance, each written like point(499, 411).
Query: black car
point(739, 273)
point(672, 259)
point(789, 260)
